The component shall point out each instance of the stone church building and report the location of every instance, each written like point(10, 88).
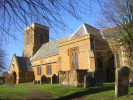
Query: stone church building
point(81, 50)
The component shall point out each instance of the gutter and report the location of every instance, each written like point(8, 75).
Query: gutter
point(44, 63)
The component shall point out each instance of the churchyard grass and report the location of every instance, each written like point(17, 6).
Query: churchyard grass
point(107, 92)
point(18, 92)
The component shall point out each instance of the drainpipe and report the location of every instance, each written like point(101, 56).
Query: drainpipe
point(122, 54)
point(95, 53)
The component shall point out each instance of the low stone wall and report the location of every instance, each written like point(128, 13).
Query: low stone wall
point(72, 77)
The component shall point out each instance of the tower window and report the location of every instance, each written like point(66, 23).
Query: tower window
point(41, 39)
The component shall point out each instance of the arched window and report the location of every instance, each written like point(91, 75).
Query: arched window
point(73, 61)
point(41, 39)
point(74, 58)
point(76, 55)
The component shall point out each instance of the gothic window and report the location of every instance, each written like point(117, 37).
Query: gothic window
point(74, 58)
point(39, 71)
point(118, 61)
point(41, 39)
point(76, 55)
point(49, 70)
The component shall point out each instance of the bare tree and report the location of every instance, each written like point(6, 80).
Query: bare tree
point(2, 59)
point(20, 13)
point(119, 14)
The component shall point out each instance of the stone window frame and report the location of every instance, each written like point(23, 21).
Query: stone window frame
point(49, 69)
point(74, 51)
point(39, 71)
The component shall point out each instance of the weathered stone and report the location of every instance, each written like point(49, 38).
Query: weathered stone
point(98, 77)
point(34, 81)
point(48, 80)
point(9, 81)
point(1, 82)
point(122, 81)
point(43, 79)
point(38, 82)
point(54, 79)
point(88, 81)
point(72, 77)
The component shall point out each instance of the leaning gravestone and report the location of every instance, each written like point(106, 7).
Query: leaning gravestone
point(43, 79)
point(9, 81)
point(98, 77)
point(122, 81)
point(88, 81)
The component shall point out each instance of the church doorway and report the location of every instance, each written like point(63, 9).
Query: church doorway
point(14, 74)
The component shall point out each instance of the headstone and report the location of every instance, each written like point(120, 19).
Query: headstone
point(88, 81)
point(54, 79)
point(98, 77)
point(1, 82)
point(43, 79)
point(38, 82)
point(34, 81)
point(9, 81)
point(122, 81)
point(48, 80)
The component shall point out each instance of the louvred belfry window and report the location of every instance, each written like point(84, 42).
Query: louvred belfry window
point(73, 53)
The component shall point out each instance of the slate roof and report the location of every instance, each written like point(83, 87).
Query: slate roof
point(85, 29)
point(112, 32)
point(49, 49)
point(24, 64)
point(52, 48)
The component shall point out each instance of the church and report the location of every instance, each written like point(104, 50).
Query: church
point(84, 50)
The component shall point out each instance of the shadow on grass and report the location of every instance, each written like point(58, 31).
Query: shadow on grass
point(92, 90)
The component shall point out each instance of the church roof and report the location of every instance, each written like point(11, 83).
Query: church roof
point(24, 64)
point(52, 48)
point(49, 49)
point(113, 32)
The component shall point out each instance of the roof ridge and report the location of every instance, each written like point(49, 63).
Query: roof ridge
point(56, 39)
point(112, 27)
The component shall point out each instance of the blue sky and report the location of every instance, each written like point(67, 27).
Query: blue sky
point(16, 46)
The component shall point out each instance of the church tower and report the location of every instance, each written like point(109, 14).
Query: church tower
point(34, 36)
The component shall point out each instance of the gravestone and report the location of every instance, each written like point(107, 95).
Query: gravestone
point(1, 82)
point(48, 80)
point(34, 81)
point(98, 77)
point(9, 81)
point(88, 81)
point(43, 79)
point(122, 81)
point(54, 79)
point(38, 82)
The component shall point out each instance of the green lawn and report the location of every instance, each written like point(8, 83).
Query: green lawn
point(107, 92)
point(18, 92)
